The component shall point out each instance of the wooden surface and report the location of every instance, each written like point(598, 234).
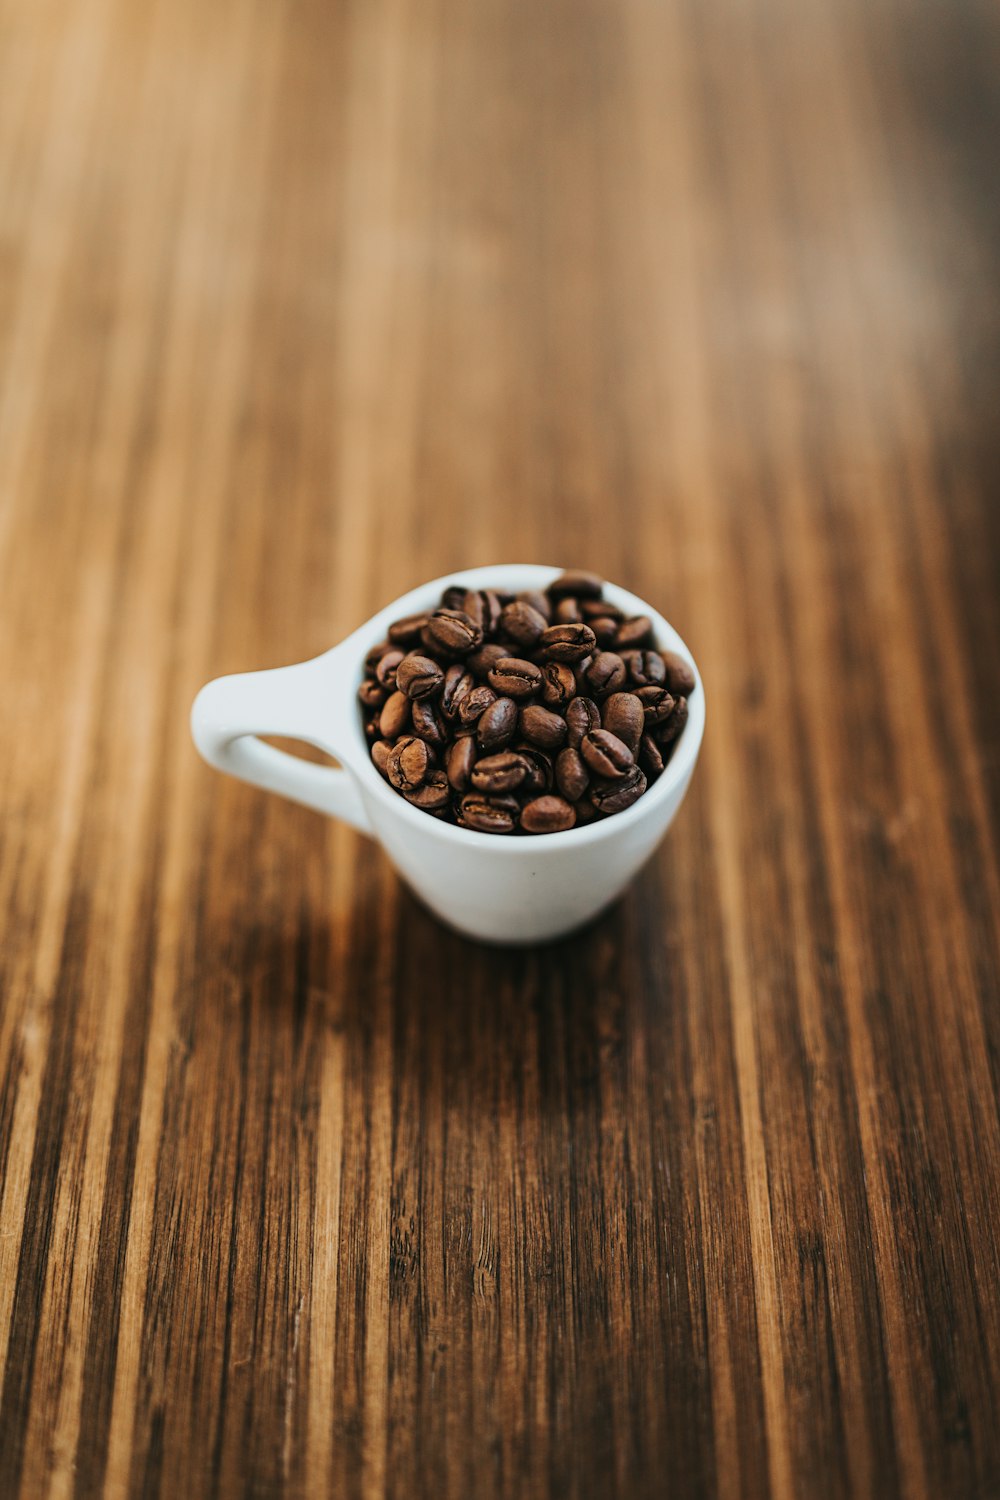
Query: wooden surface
point(302, 303)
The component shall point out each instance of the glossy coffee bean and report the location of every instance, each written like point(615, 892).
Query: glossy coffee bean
point(475, 703)
point(370, 695)
point(600, 609)
point(606, 755)
point(651, 757)
point(566, 643)
point(454, 596)
point(547, 815)
point(582, 715)
point(502, 772)
point(622, 714)
point(408, 763)
point(487, 814)
point(482, 660)
point(578, 583)
point(635, 632)
point(395, 715)
point(605, 674)
point(538, 601)
point(428, 722)
point(385, 672)
point(671, 729)
point(433, 793)
point(406, 632)
point(567, 612)
point(558, 684)
point(497, 725)
point(610, 797)
point(680, 678)
point(458, 684)
point(605, 630)
point(381, 751)
point(515, 677)
point(375, 654)
point(461, 759)
point(454, 632)
point(521, 623)
point(572, 776)
point(418, 676)
point(542, 727)
point(540, 775)
point(645, 668)
point(657, 704)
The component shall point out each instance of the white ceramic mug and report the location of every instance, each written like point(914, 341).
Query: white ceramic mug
point(501, 890)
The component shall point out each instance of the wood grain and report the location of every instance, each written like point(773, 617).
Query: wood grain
point(301, 303)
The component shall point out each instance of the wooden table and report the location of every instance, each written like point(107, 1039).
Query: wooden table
point(302, 303)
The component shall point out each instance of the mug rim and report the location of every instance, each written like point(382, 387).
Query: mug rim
point(512, 577)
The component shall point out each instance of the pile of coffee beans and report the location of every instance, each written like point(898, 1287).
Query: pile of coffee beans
point(523, 713)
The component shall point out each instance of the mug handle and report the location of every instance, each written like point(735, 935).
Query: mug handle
point(305, 702)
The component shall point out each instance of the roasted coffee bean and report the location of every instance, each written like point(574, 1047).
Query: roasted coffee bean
point(487, 814)
point(483, 606)
point(538, 601)
point(482, 660)
point(605, 674)
point(408, 763)
point(582, 715)
point(418, 676)
point(458, 684)
point(515, 677)
point(567, 612)
point(635, 632)
point(578, 583)
point(428, 723)
point(453, 632)
point(372, 729)
point(600, 609)
point(542, 727)
point(671, 728)
point(680, 678)
point(657, 704)
point(395, 715)
point(385, 672)
point(454, 596)
point(406, 632)
point(645, 668)
point(375, 654)
point(370, 695)
point(566, 643)
point(434, 793)
point(651, 757)
point(475, 702)
point(572, 776)
point(547, 815)
point(461, 759)
point(497, 725)
point(381, 750)
point(623, 715)
point(540, 773)
point(558, 684)
point(521, 623)
point(615, 796)
point(503, 772)
point(607, 755)
point(605, 631)
point(585, 811)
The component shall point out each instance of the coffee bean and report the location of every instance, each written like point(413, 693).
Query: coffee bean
point(482, 660)
point(406, 632)
point(623, 715)
point(503, 772)
point(605, 674)
point(547, 815)
point(671, 728)
point(434, 793)
point(540, 773)
point(585, 812)
point(522, 623)
point(581, 585)
point(582, 715)
point(566, 643)
point(370, 695)
point(635, 632)
point(375, 654)
point(515, 677)
point(385, 672)
point(600, 609)
point(475, 703)
point(428, 723)
point(381, 750)
point(567, 612)
point(458, 684)
point(454, 596)
point(657, 704)
point(453, 632)
point(372, 729)
point(483, 606)
point(487, 814)
point(408, 763)
point(461, 759)
point(605, 630)
point(615, 796)
point(395, 715)
point(645, 668)
point(680, 678)
point(606, 755)
point(572, 776)
point(538, 601)
point(542, 727)
point(418, 676)
point(558, 684)
point(651, 757)
point(496, 726)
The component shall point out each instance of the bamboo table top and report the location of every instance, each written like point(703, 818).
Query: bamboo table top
point(302, 303)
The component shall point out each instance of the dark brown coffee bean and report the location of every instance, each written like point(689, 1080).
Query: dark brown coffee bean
point(567, 612)
point(645, 668)
point(497, 725)
point(503, 772)
point(522, 623)
point(381, 750)
point(547, 815)
point(483, 606)
point(434, 793)
point(538, 601)
point(418, 676)
point(671, 728)
point(461, 759)
point(585, 812)
point(385, 672)
point(458, 684)
point(428, 723)
point(605, 631)
point(372, 729)
point(375, 654)
point(605, 674)
point(395, 715)
point(572, 776)
point(651, 757)
point(680, 678)
point(542, 727)
point(487, 814)
point(623, 715)
point(370, 695)
point(635, 632)
point(453, 632)
point(657, 704)
point(607, 755)
point(540, 773)
point(515, 677)
point(615, 796)
point(600, 609)
point(558, 684)
point(574, 581)
point(475, 703)
point(582, 715)
point(408, 763)
point(406, 632)
point(566, 643)
point(482, 660)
